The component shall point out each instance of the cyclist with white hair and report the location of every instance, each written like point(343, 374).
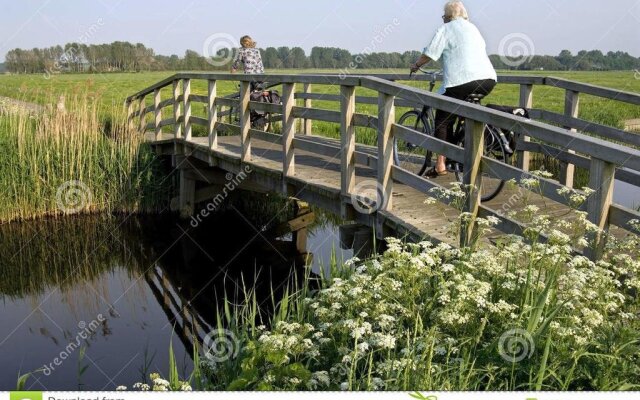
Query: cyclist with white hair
point(467, 68)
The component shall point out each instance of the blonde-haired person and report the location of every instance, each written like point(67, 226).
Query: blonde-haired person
point(467, 68)
point(250, 58)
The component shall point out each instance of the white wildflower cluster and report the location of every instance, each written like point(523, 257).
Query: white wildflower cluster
point(289, 340)
point(159, 385)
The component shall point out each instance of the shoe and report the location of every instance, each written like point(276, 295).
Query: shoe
point(433, 173)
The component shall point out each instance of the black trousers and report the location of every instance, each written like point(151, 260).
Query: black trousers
point(444, 120)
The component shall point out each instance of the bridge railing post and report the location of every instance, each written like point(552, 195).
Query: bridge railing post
point(526, 101)
point(571, 108)
point(306, 122)
point(386, 119)
point(142, 116)
point(347, 142)
point(186, 89)
point(288, 132)
point(601, 180)
point(472, 178)
point(212, 115)
point(130, 111)
point(177, 110)
point(157, 112)
point(245, 121)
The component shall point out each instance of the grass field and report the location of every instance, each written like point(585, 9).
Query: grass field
point(114, 88)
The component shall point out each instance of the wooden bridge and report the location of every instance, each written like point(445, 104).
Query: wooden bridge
point(342, 176)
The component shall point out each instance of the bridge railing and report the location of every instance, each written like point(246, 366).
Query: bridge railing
point(605, 160)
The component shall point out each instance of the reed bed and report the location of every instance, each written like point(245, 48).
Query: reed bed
point(75, 159)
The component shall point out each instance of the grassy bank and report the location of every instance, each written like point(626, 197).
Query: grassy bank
point(75, 161)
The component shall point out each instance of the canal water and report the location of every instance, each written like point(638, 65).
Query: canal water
point(92, 303)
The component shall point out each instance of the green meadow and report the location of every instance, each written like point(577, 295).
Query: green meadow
point(113, 88)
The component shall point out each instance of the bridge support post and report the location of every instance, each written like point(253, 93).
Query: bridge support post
point(601, 179)
point(288, 134)
point(130, 112)
point(306, 128)
point(157, 112)
point(186, 88)
point(348, 146)
point(187, 194)
point(472, 180)
point(386, 119)
point(571, 107)
point(245, 121)
point(143, 119)
point(212, 117)
point(177, 110)
point(526, 101)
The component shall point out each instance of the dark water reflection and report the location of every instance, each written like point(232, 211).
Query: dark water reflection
point(106, 295)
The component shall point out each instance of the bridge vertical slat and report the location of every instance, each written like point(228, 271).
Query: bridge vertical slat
point(472, 180)
point(526, 101)
point(307, 104)
point(245, 121)
point(186, 89)
point(347, 139)
point(157, 113)
point(143, 116)
point(571, 108)
point(601, 179)
point(212, 115)
point(288, 131)
point(386, 119)
point(177, 110)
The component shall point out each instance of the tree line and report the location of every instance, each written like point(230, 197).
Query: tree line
point(129, 57)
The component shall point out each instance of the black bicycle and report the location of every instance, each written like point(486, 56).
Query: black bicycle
point(414, 158)
point(260, 120)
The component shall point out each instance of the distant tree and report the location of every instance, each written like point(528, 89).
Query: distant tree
point(271, 59)
point(125, 56)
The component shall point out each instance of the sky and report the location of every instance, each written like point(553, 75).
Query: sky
point(543, 27)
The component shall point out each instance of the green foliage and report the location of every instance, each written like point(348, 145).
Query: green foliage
point(128, 57)
point(72, 161)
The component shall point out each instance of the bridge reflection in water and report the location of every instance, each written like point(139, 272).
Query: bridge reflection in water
point(191, 293)
point(152, 278)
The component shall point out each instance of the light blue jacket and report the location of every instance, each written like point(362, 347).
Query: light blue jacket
point(463, 52)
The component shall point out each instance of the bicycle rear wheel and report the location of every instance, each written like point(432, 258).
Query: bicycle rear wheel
point(493, 148)
point(411, 156)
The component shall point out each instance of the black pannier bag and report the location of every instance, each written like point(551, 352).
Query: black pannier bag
point(509, 137)
point(259, 118)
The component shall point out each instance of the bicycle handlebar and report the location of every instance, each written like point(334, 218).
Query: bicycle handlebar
point(434, 74)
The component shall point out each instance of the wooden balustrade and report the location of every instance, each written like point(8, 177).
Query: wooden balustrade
point(604, 159)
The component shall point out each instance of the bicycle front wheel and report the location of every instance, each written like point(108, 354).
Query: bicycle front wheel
point(493, 148)
point(411, 156)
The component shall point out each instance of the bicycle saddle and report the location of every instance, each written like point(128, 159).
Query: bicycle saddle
point(475, 97)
